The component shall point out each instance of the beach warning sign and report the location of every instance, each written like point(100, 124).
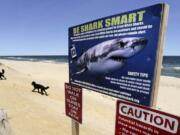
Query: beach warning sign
point(73, 102)
point(132, 119)
point(120, 55)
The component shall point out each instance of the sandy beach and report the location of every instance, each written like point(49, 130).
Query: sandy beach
point(33, 114)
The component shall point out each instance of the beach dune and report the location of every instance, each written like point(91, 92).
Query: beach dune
point(31, 113)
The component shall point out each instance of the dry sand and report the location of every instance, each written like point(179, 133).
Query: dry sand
point(34, 114)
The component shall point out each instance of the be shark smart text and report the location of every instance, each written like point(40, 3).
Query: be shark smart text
point(112, 21)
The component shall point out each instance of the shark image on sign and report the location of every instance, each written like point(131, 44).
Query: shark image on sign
point(110, 55)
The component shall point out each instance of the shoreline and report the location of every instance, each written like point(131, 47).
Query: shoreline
point(46, 59)
point(31, 113)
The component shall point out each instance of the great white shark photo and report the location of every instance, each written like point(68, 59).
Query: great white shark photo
point(110, 55)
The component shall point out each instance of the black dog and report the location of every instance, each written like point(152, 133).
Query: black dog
point(41, 89)
point(2, 75)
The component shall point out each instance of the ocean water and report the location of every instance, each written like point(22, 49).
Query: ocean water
point(170, 66)
point(48, 59)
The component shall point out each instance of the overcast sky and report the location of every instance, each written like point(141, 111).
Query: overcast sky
point(40, 27)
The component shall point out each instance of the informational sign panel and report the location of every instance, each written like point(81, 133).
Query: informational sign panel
point(73, 102)
point(119, 55)
point(134, 119)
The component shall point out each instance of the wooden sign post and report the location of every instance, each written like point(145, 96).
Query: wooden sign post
point(75, 127)
point(159, 56)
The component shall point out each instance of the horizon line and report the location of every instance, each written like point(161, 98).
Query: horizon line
point(54, 55)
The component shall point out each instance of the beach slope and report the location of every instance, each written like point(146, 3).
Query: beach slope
point(31, 113)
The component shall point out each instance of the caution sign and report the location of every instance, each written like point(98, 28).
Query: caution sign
point(133, 119)
point(73, 102)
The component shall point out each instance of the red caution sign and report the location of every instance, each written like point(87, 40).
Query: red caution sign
point(73, 102)
point(132, 119)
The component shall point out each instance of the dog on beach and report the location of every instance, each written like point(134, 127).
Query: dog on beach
point(2, 75)
point(41, 89)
